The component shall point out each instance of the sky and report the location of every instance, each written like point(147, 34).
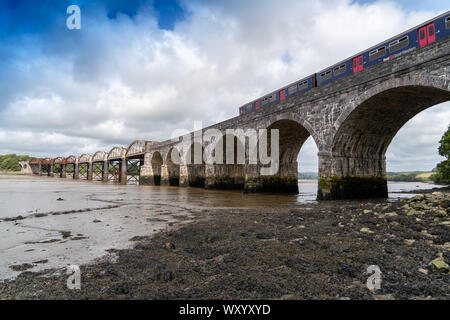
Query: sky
point(141, 69)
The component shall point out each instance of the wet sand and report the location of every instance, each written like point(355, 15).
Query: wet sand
point(289, 250)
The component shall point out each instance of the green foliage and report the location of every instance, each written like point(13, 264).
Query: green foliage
point(443, 169)
point(10, 162)
point(406, 176)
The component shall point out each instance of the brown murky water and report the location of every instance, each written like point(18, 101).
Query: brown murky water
point(64, 222)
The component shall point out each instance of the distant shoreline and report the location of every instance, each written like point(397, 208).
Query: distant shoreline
point(14, 173)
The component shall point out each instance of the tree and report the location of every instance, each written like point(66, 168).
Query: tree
point(443, 168)
point(10, 162)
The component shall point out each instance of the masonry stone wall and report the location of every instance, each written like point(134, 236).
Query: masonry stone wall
point(352, 121)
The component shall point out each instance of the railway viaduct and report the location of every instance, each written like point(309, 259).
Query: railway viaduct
point(352, 121)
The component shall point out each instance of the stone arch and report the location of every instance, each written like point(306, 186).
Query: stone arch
point(157, 162)
point(25, 167)
point(293, 133)
point(173, 167)
point(356, 161)
point(294, 117)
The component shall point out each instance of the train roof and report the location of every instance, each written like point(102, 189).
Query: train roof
point(386, 41)
point(353, 56)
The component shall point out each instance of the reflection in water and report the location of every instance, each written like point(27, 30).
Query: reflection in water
point(24, 195)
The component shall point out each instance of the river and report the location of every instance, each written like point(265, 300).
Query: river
point(52, 223)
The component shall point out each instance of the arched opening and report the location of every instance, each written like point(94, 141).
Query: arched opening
point(230, 173)
point(70, 166)
point(173, 167)
point(196, 166)
point(359, 147)
point(292, 136)
point(308, 169)
point(157, 162)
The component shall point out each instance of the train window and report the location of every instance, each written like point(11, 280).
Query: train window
point(447, 22)
point(325, 76)
point(422, 34)
point(303, 85)
point(269, 99)
point(292, 89)
point(399, 44)
point(339, 70)
point(377, 53)
point(431, 30)
point(248, 108)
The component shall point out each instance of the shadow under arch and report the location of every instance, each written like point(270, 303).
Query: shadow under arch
point(173, 167)
point(358, 149)
point(157, 162)
point(292, 136)
point(195, 166)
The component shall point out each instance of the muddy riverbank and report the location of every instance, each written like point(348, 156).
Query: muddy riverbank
point(294, 251)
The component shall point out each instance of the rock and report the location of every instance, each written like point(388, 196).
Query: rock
point(65, 234)
point(170, 246)
point(409, 241)
point(420, 206)
point(390, 214)
point(419, 197)
point(446, 223)
point(21, 267)
point(439, 265)
point(383, 297)
point(366, 230)
point(411, 212)
point(440, 213)
point(41, 261)
point(424, 271)
point(14, 219)
point(60, 199)
point(425, 233)
point(367, 211)
point(96, 221)
point(445, 203)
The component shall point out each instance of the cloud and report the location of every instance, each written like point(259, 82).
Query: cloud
point(121, 78)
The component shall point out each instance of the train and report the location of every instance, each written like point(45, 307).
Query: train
point(426, 33)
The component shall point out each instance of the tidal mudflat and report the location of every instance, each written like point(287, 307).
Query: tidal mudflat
point(163, 243)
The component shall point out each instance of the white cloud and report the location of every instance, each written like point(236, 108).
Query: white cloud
point(123, 79)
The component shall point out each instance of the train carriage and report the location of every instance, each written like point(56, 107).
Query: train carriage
point(426, 33)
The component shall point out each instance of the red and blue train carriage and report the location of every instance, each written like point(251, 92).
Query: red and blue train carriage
point(422, 35)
